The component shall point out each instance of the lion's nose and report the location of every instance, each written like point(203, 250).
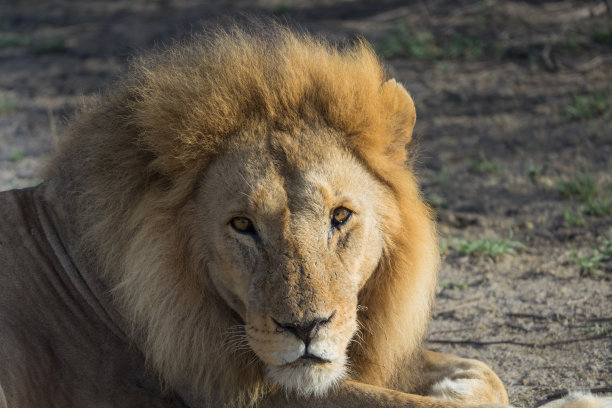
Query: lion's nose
point(305, 331)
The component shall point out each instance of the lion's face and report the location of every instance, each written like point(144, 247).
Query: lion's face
point(295, 227)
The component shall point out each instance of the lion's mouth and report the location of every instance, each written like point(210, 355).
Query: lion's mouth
point(307, 359)
point(311, 358)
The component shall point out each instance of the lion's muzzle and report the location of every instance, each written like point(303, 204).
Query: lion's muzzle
point(306, 332)
point(304, 348)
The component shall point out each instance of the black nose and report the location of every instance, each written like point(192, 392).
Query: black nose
point(305, 331)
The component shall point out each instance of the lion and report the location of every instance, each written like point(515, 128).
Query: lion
point(235, 223)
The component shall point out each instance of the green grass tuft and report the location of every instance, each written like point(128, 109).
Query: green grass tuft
point(12, 40)
point(436, 201)
point(582, 186)
point(453, 285)
point(464, 47)
point(493, 248)
point(589, 263)
point(572, 219)
point(534, 172)
point(17, 155)
point(283, 6)
point(598, 207)
point(604, 246)
point(597, 329)
point(603, 35)
point(443, 176)
point(35, 45)
point(424, 45)
point(484, 166)
point(589, 107)
point(405, 41)
point(47, 46)
point(7, 105)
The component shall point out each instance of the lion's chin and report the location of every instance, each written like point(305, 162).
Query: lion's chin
point(307, 379)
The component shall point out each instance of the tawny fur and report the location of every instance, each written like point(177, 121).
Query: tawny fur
point(578, 399)
point(150, 139)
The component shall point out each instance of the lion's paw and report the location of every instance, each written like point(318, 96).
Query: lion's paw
point(457, 389)
point(580, 400)
point(472, 386)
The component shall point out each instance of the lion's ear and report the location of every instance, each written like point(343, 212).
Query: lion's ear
point(399, 105)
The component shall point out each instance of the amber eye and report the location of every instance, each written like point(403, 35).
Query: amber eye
point(340, 216)
point(242, 225)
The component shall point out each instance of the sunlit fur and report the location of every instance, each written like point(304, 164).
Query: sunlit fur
point(134, 161)
point(310, 380)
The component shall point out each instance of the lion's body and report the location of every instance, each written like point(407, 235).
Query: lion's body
point(189, 221)
point(58, 345)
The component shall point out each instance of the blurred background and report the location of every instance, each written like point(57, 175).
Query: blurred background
point(514, 105)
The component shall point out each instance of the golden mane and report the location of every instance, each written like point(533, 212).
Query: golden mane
point(135, 157)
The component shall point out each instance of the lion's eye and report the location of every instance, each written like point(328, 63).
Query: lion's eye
point(340, 216)
point(242, 225)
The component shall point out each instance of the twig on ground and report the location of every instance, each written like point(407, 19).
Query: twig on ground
point(528, 315)
point(466, 303)
point(516, 343)
point(454, 330)
point(518, 327)
point(600, 319)
point(555, 317)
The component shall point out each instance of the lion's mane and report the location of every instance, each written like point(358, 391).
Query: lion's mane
point(135, 157)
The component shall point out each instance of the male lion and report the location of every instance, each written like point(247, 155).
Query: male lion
point(234, 224)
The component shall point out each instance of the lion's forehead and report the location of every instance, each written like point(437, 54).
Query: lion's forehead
point(311, 186)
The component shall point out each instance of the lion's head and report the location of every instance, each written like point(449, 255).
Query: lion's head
point(296, 228)
point(247, 197)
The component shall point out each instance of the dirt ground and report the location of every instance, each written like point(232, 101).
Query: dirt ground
point(514, 103)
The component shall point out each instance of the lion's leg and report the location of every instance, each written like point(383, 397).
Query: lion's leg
point(351, 394)
point(461, 379)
